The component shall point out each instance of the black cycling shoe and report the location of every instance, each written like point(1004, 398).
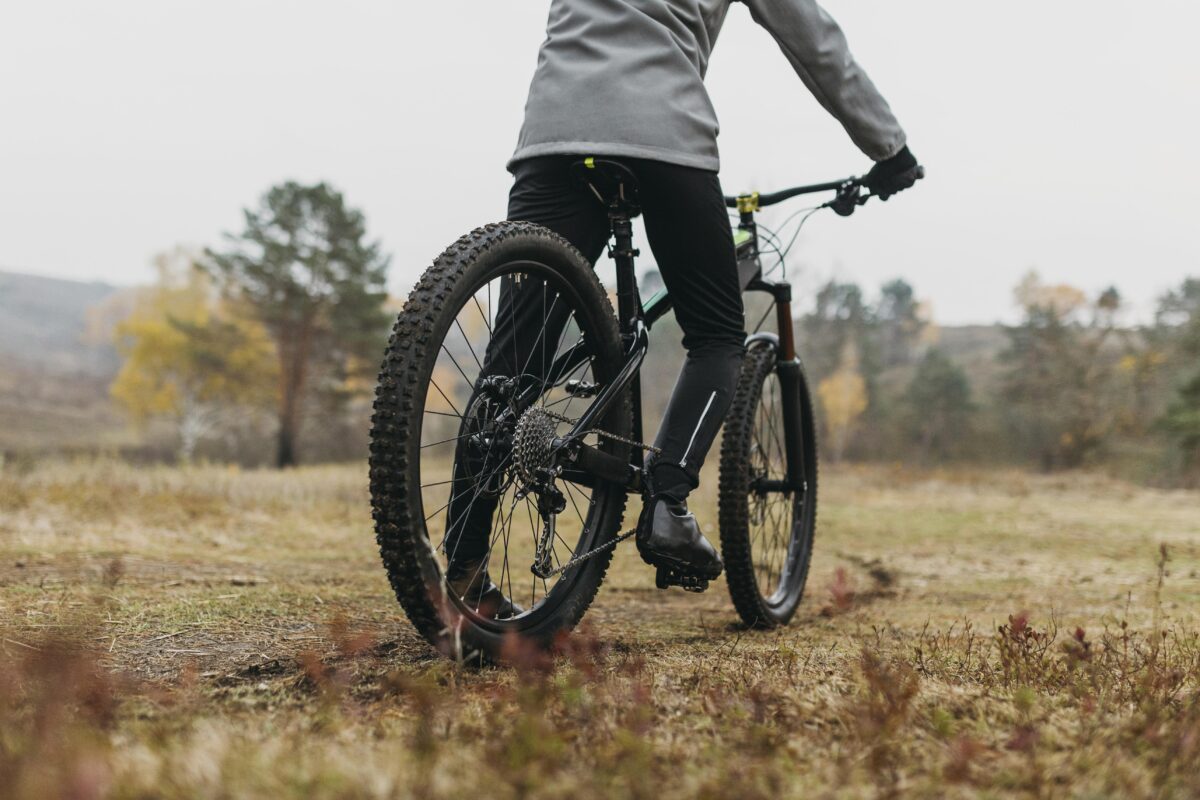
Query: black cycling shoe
point(471, 583)
point(669, 538)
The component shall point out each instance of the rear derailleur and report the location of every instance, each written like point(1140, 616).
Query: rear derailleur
point(550, 503)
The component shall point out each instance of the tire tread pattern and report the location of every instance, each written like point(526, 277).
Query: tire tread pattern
point(734, 511)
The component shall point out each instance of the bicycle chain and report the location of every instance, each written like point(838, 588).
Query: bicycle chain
point(623, 440)
point(611, 436)
point(595, 551)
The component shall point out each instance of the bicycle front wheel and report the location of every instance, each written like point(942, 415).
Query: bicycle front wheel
point(768, 491)
point(481, 375)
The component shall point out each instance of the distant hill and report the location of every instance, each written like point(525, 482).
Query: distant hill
point(53, 379)
point(43, 322)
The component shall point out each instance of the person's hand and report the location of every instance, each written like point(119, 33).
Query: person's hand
point(894, 174)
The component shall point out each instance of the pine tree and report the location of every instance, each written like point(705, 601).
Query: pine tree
point(305, 270)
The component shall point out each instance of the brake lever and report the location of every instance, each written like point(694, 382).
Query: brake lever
point(850, 194)
point(849, 197)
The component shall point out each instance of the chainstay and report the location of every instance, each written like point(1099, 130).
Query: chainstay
point(595, 551)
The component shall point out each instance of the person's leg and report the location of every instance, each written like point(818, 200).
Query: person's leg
point(690, 234)
point(545, 192)
point(523, 338)
point(528, 320)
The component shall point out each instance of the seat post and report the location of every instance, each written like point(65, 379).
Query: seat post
point(622, 251)
point(629, 307)
point(616, 187)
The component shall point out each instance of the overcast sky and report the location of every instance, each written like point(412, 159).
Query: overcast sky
point(1060, 135)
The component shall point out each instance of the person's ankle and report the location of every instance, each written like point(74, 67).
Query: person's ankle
point(669, 482)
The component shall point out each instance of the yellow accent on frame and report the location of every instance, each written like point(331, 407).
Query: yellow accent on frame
point(589, 162)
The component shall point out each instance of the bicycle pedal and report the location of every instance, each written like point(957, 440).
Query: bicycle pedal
point(581, 388)
point(666, 577)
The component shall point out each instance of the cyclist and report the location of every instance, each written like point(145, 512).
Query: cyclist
point(625, 79)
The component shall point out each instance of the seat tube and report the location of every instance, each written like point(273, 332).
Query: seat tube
point(629, 304)
point(629, 301)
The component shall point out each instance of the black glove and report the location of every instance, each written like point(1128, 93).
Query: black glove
point(894, 174)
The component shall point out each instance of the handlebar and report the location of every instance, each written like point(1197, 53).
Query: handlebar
point(849, 195)
point(772, 198)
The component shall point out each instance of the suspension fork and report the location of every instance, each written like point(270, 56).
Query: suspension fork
point(787, 367)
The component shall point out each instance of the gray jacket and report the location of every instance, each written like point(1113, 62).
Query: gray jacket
point(626, 78)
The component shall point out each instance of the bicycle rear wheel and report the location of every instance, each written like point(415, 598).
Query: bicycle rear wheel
point(472, 391)
point(768, 524)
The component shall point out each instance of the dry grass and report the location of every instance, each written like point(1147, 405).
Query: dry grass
point(212, 632)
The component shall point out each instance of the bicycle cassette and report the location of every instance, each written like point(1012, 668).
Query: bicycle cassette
point(533, 441)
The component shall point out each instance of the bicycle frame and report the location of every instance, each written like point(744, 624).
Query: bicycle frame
point(635, 320)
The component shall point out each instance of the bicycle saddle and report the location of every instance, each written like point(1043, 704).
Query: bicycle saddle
point(614, 184)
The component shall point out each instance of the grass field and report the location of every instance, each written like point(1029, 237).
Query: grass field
point(218, 633)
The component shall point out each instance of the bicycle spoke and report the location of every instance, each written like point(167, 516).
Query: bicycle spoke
point(447, 441)
point(441, 414)
point(506, 529)
point(454, 361)
point(487, 323)
point(478, 363)
point(541, 335)
point(447, 399)
point(534, 533)
point(571, 495)
point(771, 512)
point(551, 381)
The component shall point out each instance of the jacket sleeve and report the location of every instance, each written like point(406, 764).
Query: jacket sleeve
point(817, 49)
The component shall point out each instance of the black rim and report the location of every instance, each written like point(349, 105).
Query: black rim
point(461, 410)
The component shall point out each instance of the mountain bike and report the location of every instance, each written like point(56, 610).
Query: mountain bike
point(523, 441)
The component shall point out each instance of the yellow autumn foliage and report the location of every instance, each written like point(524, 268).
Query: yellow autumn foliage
point(182, 345)
point(843, 399)
point(1063, 300)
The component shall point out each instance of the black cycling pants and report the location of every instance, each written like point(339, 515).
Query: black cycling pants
point(692, 241)
point(690, 235)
